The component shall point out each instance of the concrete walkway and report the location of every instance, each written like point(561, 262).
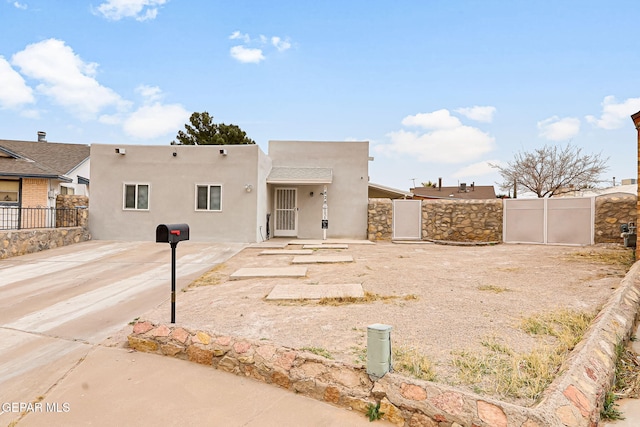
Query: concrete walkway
point(113, 386)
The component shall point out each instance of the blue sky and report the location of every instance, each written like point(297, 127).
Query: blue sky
point(439, 88)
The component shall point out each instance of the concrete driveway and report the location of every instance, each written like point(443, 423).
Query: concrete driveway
point(63, 319)
point(56, 305)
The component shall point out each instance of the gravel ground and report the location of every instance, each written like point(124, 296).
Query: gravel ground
point(439, 299)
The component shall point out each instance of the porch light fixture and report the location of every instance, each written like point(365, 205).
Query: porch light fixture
point(248, 188)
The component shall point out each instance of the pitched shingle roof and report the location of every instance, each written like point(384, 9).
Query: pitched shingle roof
point(40, 159)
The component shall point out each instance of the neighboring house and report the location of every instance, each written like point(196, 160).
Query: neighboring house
point(381, 191)
point(230, 192)
point(462, 191)
point(33, 173)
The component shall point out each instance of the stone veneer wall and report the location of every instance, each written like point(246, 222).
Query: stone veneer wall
point(573, 400)
point(611, 211)
point(21, 242)
point(482, 220)
point(462, 220)
point(450, 220)
point(380, 221)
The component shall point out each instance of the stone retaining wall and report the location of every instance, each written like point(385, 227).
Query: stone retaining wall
point(22, 242)
point(573, 400)
point(612, 210)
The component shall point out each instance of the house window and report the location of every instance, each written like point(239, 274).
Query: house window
point(9, 191)
point(208, 197)
point(136, 196)
point(67, 190)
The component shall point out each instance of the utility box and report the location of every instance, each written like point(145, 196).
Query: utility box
point(378, 350)
point(172, 233)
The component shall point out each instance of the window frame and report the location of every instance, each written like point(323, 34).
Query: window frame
point(136, 196)
point(208, 186)
point(17, 193)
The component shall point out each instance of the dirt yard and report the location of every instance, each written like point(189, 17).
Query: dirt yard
point(440, 300)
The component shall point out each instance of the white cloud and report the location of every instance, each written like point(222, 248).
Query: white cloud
point(440, 119)
point(140, 10)
point(155, 120)
point(14, 92)
point(246, 55)
point(479, 114)
point(66, 78)
point(254, 50)
point(149, 93)
point(237, 35)
point(615, 114)
point(280, 44)
point(476, 169)
point(557, 129)
point(447, 140)
point(19, 5)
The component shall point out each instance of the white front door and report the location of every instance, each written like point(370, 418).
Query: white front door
point(286, 211)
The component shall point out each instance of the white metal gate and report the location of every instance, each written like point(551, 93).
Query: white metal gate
point(407, 219)
point(564, 220)
point(286, 212)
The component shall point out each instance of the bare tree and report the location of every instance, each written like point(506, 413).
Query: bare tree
point(552, 170)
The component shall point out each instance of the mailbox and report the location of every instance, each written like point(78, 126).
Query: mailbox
point(172, 233)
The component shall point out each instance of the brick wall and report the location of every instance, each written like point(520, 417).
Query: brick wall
point(34, 192)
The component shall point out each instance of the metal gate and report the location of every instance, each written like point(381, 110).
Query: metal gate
point(286, 212)
point(563, 221)
point(407, 219)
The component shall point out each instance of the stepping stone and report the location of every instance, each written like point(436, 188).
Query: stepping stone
point(293, 292)
point(270, 244)
point(287, 252)
point(326, 246)
point(264, 272)
point(321, 259)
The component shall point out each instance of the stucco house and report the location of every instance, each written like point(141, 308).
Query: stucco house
point(230, 192)
point(33, 173)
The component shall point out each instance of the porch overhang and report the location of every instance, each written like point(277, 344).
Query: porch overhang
point(300, 176)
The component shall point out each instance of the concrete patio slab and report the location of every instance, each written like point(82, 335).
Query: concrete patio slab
point(326, 246)
point(287, 252)
point(254, 273)
point(321, 259)
point(295, 292)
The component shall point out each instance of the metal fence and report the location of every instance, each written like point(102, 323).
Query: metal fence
point(18, 218)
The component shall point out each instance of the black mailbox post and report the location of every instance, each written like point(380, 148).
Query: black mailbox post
point(172, 234)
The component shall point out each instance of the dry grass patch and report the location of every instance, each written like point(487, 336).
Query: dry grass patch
point(619, 257)
point(501, 371)
point(369, 297)
point(215, 276)
point(411, 362)
point(493, 288)
point(318, 351)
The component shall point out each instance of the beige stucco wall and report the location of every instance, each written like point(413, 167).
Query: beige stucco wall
point(172, 181)
point(347, 195)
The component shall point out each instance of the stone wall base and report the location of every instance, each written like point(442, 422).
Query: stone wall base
point(22, 242)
